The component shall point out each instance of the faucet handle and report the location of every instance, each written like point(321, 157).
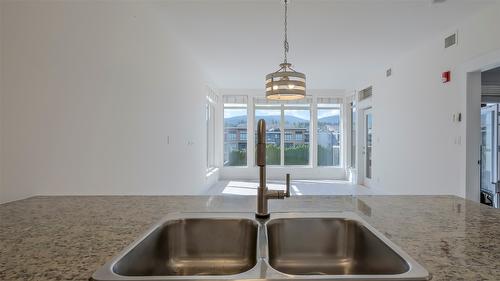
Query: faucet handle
point(287, 192)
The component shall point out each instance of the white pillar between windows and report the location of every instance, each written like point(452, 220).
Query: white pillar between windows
point(282, 136)
point(313, 151)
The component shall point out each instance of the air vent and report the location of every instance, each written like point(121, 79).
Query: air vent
point(450, 40)
point(365, 93)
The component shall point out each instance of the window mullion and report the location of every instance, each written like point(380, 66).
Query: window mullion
point(282, 135)
point(313, 135)
point(251, 134)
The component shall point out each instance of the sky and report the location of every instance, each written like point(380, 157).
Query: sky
point(232, 112)
point(327, 112)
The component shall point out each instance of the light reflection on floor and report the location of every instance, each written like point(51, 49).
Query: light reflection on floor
point(298, 187)
point(250, 188)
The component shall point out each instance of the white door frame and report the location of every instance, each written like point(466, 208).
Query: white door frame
point(362, 106)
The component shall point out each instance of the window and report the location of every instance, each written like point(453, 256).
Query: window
point(210, 126)
point(235, 131)
point(353, 133)
point(299, 136)
point(297, 121)
point(287, 131)
point(329, 134)
point(272, 116)
point(231, 135)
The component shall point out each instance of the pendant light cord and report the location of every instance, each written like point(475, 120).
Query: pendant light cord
point(285, 43)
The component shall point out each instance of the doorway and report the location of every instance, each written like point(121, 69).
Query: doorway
point(489, 165)
point(471, 76)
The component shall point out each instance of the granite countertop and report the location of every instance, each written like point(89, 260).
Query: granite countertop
point(69, 237)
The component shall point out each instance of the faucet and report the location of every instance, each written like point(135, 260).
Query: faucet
point(263, 193)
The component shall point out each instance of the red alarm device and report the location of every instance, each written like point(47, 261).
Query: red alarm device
point(446, 77)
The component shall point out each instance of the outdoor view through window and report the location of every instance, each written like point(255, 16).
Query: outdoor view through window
point(287, 134)
point(297, 123)
point(235, 135)
point(273, 133)
point(328, 135)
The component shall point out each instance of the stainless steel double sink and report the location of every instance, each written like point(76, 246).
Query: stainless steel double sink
point(236, 246)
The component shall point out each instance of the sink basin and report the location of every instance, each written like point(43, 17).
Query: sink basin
point(194, 247)
point(236, 246)
point(329, 246)
point(201, 245)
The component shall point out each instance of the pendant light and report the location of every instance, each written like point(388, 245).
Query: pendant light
point(285, 83)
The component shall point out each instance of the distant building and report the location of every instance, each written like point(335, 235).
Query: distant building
point(296, 136)
point(235, 138)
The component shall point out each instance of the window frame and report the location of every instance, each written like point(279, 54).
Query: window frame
point(353, 127)
point(210, 119)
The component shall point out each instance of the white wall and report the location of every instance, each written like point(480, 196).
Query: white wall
point(91, 91)
point(5, 194)
point(297, 172)
point(418, 148)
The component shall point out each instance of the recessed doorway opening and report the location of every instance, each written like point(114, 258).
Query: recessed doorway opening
point(489, 176)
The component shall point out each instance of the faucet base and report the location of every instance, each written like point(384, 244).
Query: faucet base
point(262, 216)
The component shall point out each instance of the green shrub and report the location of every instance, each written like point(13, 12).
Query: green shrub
point(325, 156)
point(272, 154)
point(237, 158)
point(297, 155)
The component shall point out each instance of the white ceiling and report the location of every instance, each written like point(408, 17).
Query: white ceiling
point(337, 44)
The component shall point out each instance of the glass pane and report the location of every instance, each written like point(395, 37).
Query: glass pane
point(353, 135)
point(212, 135)
point(297, 136)
point(273, 134)
point(306, 105)
point(207, 123)
point(210, 123)
point(235, 136)
point(328, 105)
point(329, 137)
point(487, 148)
point(368, 140)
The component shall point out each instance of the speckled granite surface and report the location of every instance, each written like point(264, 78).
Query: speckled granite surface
point(68, 238)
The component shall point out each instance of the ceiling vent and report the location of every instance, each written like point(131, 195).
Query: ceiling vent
point(450, 40)
point(365, 93)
